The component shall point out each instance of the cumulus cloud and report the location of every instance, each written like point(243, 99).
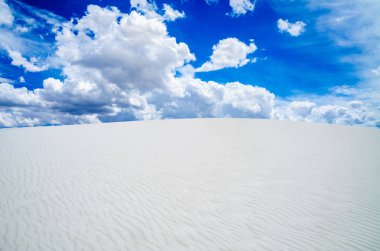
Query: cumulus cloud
point(6, 17)
point(241, 7)
point(10, 96)
point(21, 116)
point(130, 53)
point(211, 99)
point(294, 29)
point(127, 69)
point(301, 110)
point(229, 52)
point(144, 6)
point(22, 107)
point(171, 14)
point(351, 113)
point(125, 66)
point(119, 66)
point(28, 65)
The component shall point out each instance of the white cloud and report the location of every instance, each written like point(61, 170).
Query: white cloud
point(27, 35)
point(134, 53)
point(301, 110)
point(294, 29)
point(22, 107)
point(127, 70)
point(21, 116)
point(241, 7)
point(21, 29)
point(141, 5)
point(353, 112)
point(171, 14)
point(333, 114)
point(150, 10)
point(146, 7)
point(5, 80)
point(10, 96)
point(120, 66)
point(355, 24)
point(28, 65)
point(344, 90)
point(229, 52)
point(211, 99)
point(12, 118)
point(6, 17)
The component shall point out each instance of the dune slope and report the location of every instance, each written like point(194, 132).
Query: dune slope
point(203, 184)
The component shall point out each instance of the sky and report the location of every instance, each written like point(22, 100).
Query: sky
point(72, 62)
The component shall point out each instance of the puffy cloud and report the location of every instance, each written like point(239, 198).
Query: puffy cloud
point(211, 99)
point(10, 96)
point(352, 113)
point(127, 70)
point(229, 52)
point(12, 118)
point(6, 17)
point(130, 53)
point(120, 66)
point(171, 14)
point(301, 110)
point(143, 6)
point(21, 107)
point(241, 7)
point(28, 65)
point(124, 67)
point(21, 116)
point(294, 29)
point(150, 10)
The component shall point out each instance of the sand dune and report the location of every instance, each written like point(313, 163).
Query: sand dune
point(207, 184)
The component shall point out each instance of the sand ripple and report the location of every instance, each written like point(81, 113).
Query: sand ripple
point(216, 184)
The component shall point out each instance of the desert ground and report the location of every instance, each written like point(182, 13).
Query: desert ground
point(191, 184)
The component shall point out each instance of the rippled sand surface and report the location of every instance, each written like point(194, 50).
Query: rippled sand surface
point(203, 184)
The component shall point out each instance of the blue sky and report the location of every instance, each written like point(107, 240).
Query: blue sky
point(62, 62)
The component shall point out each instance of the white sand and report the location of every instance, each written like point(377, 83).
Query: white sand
point(207, 184)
